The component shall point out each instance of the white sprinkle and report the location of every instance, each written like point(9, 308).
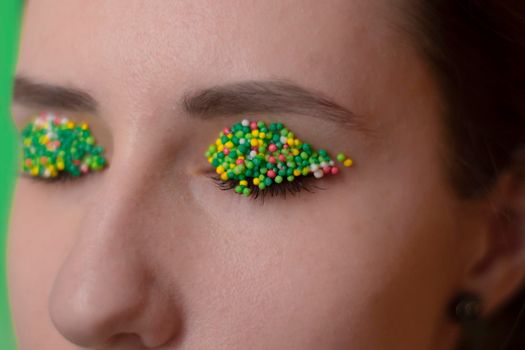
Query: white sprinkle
point(331, 163)
point(242, 141)
point(47, 173)
point(323, 164)
point(245, 122)
point(314, 167)
point(253, 154)
point(318, 174)
point(283, 139)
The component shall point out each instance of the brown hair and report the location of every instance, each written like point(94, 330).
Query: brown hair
point(476, 49)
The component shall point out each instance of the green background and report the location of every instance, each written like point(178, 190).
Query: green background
point(9, 23)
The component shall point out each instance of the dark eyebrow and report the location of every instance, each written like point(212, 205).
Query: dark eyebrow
point(278, 96)
point(266, 96)
point(35, 94)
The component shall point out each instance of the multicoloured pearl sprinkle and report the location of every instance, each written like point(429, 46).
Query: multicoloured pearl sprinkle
point(254, 154)
point(53, 144)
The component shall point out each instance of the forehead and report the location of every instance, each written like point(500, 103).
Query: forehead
point(138, 46)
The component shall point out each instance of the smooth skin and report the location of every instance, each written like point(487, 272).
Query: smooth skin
point(150, 253)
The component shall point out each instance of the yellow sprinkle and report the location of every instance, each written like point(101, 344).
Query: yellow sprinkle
point(297, 143)
point(256, 181)
point(27, 141)
point(297, 172)
point(218, 142)
point(60, 165)
point(229, 136)
point(220, 169)
point(84, 126)
point(34, 170)
point(43, 139)
point(210, 159)
point(241, 157)
point(243, 183)
point(224, 176)
point(295, 151)
point(262, 135)
point(70, 125)
point(348, 162)
point(255, 133)
point(290, 142)
point(229, 144)
point(254, 142)
point(232, 166)
point(306, 171)
point(220, 148)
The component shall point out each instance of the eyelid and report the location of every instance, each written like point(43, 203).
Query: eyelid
point(256, 154)
point(53, 145)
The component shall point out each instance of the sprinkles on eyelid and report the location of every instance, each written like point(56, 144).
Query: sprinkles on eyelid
point(52, 145)
point(252, 153)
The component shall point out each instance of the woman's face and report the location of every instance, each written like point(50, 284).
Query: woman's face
point(150, 252)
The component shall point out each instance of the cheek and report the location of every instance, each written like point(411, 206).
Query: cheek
point(41, 231)
point(351, 256)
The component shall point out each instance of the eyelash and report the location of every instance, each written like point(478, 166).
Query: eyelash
point(62, 178)
point(275, 190)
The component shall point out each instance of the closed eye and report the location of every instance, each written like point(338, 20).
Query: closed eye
point(282, 190)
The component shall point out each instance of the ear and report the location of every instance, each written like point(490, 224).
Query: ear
point(499, 272)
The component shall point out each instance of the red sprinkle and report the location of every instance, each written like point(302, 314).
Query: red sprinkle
point(253, 125)
point(239, 161)
point(271, 159)
point(271, 173)
point(272, 148)
point(226, 131)
point(226, 151)
point(282, 158)
point(327, 170)
point(334, 170)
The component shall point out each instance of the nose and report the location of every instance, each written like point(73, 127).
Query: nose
point(107, 289)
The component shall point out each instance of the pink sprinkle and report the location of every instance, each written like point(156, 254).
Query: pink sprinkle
point(253, 125)
point(226, 131)
point(226, 151)
point(334, 170)
point(285, 145)
point(272, 148)
point(84, 168)
point(271, 174)
point(239, 161)
point(271, 159)
point(282, 158)
point(327, 170)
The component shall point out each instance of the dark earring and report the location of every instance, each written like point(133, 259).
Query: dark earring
point(466, 307)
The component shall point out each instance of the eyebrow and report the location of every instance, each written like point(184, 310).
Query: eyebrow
point(34, 94)
point(266, 96)
point(276, 96)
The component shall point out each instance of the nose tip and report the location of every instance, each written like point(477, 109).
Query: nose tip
point(94, 308)
point(88, 317)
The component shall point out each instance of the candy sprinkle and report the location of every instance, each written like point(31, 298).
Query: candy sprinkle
point(52, 145)
point(254, 154)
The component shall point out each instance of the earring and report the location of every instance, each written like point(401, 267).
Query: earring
point(466, 307)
